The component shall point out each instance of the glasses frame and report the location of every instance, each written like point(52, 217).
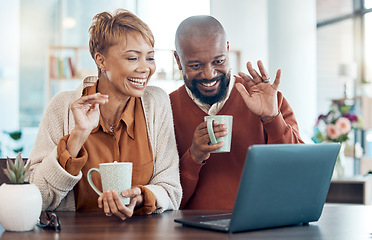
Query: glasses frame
point(53, 222)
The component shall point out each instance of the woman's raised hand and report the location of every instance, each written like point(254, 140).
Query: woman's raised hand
point(86, 115)
point(86, 111)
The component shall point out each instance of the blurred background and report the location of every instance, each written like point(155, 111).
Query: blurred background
point(323, 47)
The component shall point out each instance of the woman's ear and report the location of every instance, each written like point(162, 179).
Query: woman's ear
point(100, 61)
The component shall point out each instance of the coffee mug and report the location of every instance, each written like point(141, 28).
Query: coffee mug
point(115, 176)
point(221, 119)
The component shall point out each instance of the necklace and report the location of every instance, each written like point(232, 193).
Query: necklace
point(112, 126)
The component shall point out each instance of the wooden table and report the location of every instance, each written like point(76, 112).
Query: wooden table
point(337, 222)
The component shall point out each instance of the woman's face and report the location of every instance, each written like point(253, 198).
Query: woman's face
point(129, 65)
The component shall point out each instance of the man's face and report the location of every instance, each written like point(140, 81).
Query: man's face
point(205, 66)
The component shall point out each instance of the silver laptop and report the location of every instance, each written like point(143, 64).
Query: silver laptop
point(281, 185)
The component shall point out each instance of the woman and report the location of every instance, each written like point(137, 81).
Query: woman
point(117, 118)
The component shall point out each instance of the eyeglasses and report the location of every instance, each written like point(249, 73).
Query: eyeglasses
point(52, 222)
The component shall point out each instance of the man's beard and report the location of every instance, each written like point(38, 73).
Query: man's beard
point(210, 100)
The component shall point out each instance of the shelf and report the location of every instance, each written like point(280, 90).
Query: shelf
point(68, 65)
point(356, 190)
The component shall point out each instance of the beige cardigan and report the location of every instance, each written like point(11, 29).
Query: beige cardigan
point(56, 185)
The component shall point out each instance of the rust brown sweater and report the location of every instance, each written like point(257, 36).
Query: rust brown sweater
point(214, 184)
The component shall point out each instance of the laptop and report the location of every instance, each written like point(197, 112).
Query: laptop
point(281, 185)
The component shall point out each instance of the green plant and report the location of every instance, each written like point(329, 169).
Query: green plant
point(15, 136)
point(17, 172)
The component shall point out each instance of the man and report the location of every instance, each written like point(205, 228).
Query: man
point(261, 115)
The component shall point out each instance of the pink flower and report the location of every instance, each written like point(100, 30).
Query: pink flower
point(332, 131)
point(344, 125)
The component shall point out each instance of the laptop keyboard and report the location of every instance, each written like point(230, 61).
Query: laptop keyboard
point(220, 223)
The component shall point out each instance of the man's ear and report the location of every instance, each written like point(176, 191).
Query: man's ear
point(228, 46)
point(178, 60)
point(100, 60)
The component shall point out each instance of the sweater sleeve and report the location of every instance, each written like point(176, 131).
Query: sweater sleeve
point(189, 171)
point(283, 128)
point(53, 181)
point(165, 181)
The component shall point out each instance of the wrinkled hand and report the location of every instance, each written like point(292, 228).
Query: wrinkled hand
point(86, 111)
point(260, 97)
point(112, 204)
point(200, 149)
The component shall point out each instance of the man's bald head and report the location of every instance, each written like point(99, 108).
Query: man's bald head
point(197, 27)
point(202, 54)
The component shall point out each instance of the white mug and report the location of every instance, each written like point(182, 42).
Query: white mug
point(115, 176)
point(221, 119)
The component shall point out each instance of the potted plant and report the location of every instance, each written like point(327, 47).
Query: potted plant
point(20, 201)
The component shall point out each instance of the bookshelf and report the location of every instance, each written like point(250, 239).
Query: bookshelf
point(68, 65)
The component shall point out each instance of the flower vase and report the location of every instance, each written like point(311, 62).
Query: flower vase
point(339, 170)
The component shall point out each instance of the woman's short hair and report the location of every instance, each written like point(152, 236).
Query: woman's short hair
point(109, 29)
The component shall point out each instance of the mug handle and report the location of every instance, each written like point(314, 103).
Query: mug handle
point(89, 176)
point(212, 137)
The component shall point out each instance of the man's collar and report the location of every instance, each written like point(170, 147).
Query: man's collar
point(216, 107)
